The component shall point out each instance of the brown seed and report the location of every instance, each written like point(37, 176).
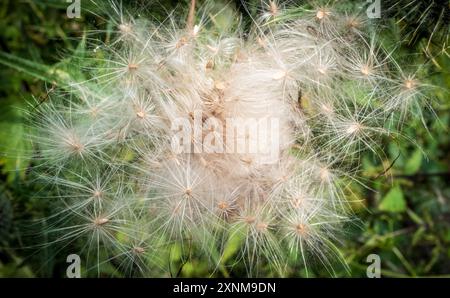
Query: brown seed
point(249, 219)
point(246, 160)
point(409, 84)
point(183, 41)
point(188, 192)
point(261, 42)
point(203, 161)
point(322, 13)
point(125, 28)
point(138, 249)
point(313, 31)
point(94, 112)
point(297, 202)
point(75, 145)
point(209, 65)
point(262, 226)
point(353, 23)
point(132, 66)
point(365, 70)
point(140, 114)
point(101, 221)
point(301, 229)
point(220, 85)
point(223, 205)
point(273, 8)
point(212, 49)
point(296, 146)
point(97, 194)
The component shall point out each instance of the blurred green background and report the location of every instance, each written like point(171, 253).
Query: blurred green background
point(405, 219)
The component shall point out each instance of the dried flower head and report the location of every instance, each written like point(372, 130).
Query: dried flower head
point(195, 135)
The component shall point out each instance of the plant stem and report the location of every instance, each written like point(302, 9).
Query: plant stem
point(191, 15)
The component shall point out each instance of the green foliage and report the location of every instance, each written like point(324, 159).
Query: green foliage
point(13, 142)
point(394, 201)
point(405, 210)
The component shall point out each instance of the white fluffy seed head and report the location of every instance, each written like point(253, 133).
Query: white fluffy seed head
point(295, 69)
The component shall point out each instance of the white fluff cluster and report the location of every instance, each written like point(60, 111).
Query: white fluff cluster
point(107, 144)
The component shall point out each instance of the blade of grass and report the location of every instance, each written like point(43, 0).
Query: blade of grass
point(34, 69)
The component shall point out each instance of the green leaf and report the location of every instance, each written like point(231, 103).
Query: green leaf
point(416, 218)
point(418, 235)
point(413, 163)
point(34, 69)
point(394, 201)
point(235, 239)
